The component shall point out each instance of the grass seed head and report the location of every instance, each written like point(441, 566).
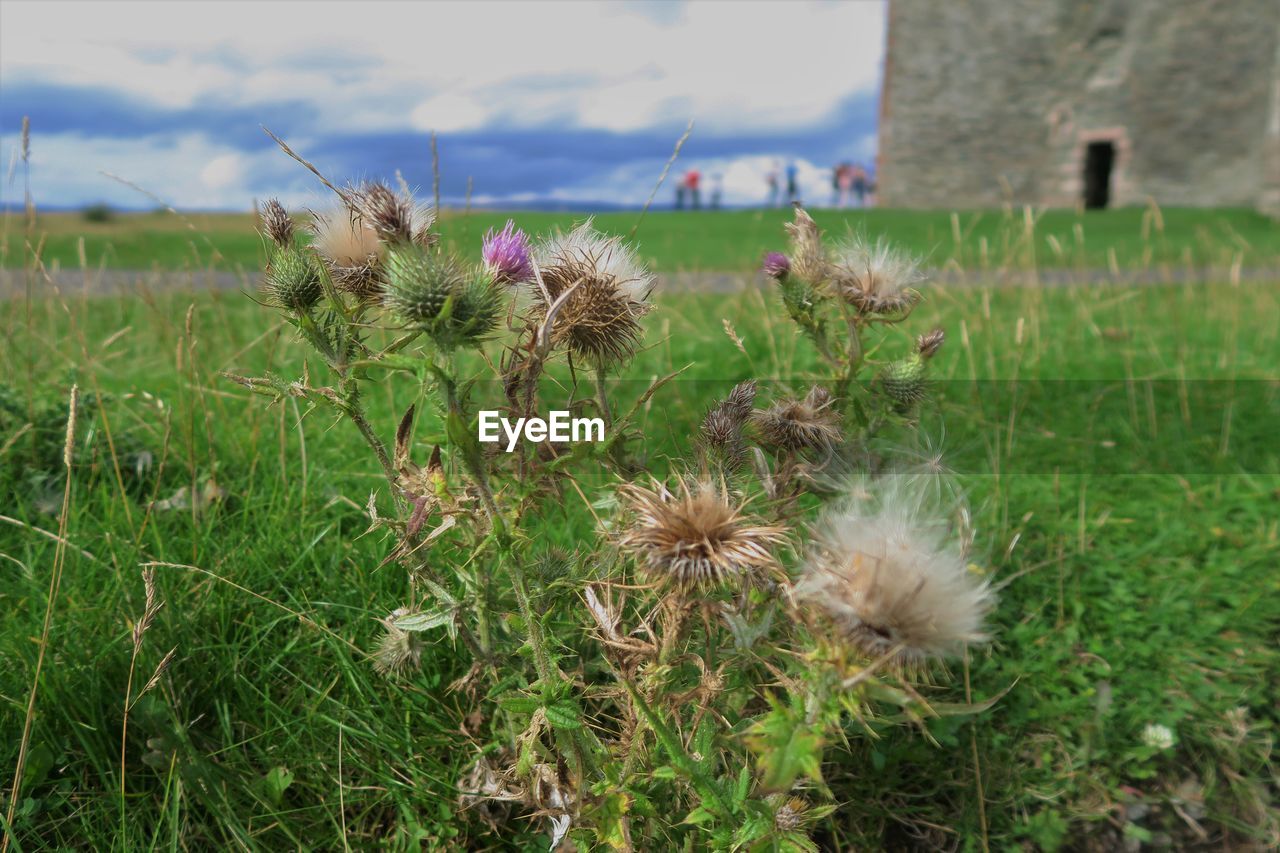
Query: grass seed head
point(697, 535)
point(810, 423)
point(885, 573)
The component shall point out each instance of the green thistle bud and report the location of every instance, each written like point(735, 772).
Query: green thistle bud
point(293, 280)
point(904, 381)
point(419, 284)
point(477, 306)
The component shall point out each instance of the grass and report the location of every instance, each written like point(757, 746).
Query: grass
point(721, 241)
point(1133, 593)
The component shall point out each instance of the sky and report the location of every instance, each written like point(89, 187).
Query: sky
point(573, 103)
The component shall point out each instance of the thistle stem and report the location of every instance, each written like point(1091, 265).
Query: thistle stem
point(602, 398)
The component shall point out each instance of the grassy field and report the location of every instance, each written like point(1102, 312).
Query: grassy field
point(718, 241)
point(1132, 593)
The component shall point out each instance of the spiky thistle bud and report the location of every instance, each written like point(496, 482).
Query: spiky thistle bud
point(293, 280)
point(775, 265)
point(905, 381)
point(885, 572)
point(419, 283)
point(437, 295)
point(506, 253)
point(695, 535)
point(277, 223)
point(811, 423)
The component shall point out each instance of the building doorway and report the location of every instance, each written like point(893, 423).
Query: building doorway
point(1099, 157)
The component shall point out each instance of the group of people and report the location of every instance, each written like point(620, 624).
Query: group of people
point(689, 190)
point(851, 184)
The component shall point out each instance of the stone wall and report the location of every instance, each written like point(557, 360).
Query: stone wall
point(988, 101)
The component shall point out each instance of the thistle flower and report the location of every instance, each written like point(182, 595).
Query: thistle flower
point(806, 424)
point(696, 535)
point(350, 250)
point(928, 344)
point(399, 652)
point(885, 573)
point(775, 265)
point(722, 426)
point(292, 281)
point(506, 254)
point(876, 278)
point(599, 320)
point(277, 224)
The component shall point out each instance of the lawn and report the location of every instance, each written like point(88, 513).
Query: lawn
point(1117, 446)
point(717, 241)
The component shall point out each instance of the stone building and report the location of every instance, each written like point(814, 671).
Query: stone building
point(1070, 102)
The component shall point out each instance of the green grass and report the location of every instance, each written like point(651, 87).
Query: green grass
point(1130, 598)
point(721, 241)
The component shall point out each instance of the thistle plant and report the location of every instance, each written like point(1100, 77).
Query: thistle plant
point(681, 676)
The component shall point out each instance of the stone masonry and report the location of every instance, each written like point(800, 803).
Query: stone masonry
point(994, 101)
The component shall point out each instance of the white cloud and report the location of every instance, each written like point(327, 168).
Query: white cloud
point(455, 66)
point(223, 172)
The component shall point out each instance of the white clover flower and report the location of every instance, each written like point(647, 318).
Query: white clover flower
point(1157, 736)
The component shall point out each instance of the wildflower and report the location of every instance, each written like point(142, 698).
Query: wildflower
point(506, 254)
point(806, 424)
point(876, 278)
point(599, 319)
point(928, 344)
point(277, 223)
point(399, 652)
point(293, 281)
point(1157, 736)
point(350, 251)
point(695, 535)
point(887, 576)
point(775, 265)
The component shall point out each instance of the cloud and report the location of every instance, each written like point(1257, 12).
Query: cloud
point(528, 97)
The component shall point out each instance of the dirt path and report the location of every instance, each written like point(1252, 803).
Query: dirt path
point(107, 282)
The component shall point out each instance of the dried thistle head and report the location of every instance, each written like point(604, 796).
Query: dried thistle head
point(350, 251)
point(876, 278)
point(722, 426)
point(608, 292)
point(276, 223)
point(808, 257)
point(387, 212)
point(810, 423)
point(928, 344)
point(399, 652)
point(884, 571)
point(696, 535)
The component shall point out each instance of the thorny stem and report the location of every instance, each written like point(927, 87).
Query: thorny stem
point(853, 359)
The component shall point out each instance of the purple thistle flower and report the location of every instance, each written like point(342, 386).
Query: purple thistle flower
point(776, 265)
point(506, 254)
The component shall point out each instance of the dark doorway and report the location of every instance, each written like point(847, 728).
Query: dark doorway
point(1098, 160)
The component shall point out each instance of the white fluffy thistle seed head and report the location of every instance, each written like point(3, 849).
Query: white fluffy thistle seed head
point(350, 249)
point(884, 570)
point(875, 278)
